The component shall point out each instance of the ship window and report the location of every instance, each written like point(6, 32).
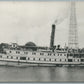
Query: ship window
point(25, 52)
point(64, 54)
point(33, 53)
point(11, 57)
point(60, 60)
point(18, 52)
point(10, 51)
point(16, 57)
point(68, 54)
point(54, 54)
point(60, 54)
point(82, 60)
point(65, 59)
point(78, 60)
point(69, 60)
point(7, 56)
point(44, 59)
point(49, 59)
point(55, 59)
point(49, 53)
point(28, 58)
point(71, 54)
point(41, 53)
point(22, 58)
point(33, 58)
point(39, 58)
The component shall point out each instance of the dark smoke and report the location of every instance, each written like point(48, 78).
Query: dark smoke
point(62, 16)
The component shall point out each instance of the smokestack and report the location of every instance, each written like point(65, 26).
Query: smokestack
point(52, 36)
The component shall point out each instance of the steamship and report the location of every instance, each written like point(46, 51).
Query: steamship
point(32, 55)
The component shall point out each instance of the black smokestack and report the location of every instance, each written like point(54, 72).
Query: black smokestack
point(52, 36)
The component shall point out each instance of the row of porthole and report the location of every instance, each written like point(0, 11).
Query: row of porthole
point(47, 59)
point(18, 52)
point(76, 60)
point(49, 54)
point(40, 58)
point(82, 60)
point(35, 59)
point(11, 57)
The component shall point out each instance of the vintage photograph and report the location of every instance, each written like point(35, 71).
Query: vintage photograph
point(41, 41)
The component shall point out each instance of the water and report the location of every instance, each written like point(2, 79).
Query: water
point(41, 74)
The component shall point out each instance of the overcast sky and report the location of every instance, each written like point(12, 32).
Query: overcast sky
point(26, 21)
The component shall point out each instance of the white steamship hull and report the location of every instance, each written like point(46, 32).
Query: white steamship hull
point(32, 55)
point(21, 63)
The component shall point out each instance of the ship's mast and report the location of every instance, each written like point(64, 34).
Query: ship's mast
point(73, 31)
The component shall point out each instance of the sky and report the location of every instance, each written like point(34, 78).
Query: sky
point(27, 21)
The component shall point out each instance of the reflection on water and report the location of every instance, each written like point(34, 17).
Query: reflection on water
point(41, 74)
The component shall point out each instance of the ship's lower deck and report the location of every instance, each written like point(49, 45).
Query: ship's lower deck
point(40, 59)
point(21, 63)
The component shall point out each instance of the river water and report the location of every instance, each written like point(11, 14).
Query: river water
point(41, 74)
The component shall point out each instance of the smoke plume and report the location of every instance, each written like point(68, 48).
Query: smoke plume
point(61, 16)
